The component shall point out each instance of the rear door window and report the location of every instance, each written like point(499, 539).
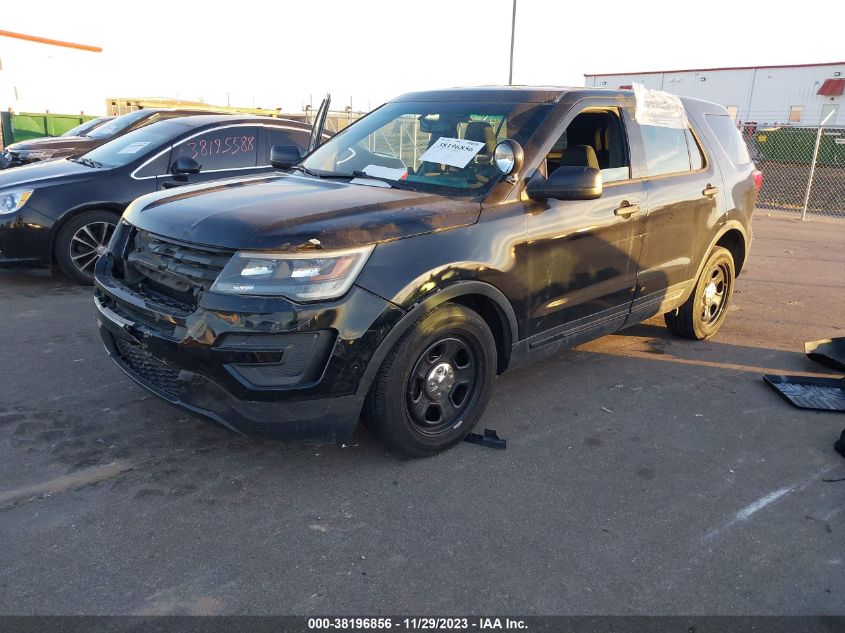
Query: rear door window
point(221, 148)
point(729, 138)
point(665, 150)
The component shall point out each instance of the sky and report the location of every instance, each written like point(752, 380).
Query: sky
point(286, 54)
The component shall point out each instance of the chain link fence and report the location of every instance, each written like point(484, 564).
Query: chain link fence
point(803, 168)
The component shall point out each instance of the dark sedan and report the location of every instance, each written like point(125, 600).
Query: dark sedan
point(68, 146)
point(64, 211)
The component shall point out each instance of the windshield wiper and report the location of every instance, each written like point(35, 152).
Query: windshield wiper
point(397, 184)
point(88, 162)
point(305, 170)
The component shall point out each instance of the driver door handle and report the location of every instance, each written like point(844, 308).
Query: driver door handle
point(627, 209)
point(710, 191)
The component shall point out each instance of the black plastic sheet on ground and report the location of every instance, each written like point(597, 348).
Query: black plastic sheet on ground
point(821, 394)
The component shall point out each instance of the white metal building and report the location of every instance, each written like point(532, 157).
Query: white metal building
point(802, 94)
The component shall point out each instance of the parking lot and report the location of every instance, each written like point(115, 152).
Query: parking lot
point(644, 474)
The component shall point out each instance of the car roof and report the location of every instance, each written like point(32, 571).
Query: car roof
point(510, 94)
point(531, 94)
point(198, 120)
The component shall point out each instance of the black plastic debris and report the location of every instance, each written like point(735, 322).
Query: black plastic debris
point(840, 444)
point(821, 394)
point(830, 352)
point(490, 439)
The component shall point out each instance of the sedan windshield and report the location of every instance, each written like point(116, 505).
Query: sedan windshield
point(82, 128)
point(134, 145)
point(439, 147)
point(117, 125)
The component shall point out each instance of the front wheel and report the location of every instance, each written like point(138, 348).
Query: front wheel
point(434, 384)
point(705, 311)
point(81, 241)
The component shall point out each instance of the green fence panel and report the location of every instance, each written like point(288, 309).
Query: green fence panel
point(795, 145)
point(28, 125)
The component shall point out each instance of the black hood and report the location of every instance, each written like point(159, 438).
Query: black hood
point(285, 212)
point(47, 173)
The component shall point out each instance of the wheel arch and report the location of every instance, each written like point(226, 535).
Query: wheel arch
point(485, 299)
point(734, 240)
point(68, 215)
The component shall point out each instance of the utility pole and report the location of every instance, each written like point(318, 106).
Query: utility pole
point(513, 33)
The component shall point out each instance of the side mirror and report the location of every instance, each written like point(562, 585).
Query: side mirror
point(184, 165)
point(508, 157)
point(566, 183)
point(284, 156)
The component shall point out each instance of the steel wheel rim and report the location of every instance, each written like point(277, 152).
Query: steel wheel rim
point(714, 298)
point(443, 385)
point(88, 243)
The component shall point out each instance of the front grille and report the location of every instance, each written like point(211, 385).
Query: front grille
point(155, 371)
point(179, 304)
point(173, 274)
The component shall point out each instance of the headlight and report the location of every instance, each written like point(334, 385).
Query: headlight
point(11, 201)
point(302, 276)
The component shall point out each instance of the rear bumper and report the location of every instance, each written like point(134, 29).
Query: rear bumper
point(230, 364)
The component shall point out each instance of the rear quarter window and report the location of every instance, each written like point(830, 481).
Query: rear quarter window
point(729, 138)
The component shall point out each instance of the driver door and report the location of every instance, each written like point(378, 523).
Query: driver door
point(583, 268)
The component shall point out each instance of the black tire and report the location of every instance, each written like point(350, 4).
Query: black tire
point(81, 241)
point(410, 388)
point(701, 316)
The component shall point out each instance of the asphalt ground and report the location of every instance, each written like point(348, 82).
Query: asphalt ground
point(644, 474)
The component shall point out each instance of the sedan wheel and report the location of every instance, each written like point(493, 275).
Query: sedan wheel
point(81, 242)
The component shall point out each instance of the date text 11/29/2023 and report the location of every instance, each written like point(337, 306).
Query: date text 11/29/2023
point(417, 624)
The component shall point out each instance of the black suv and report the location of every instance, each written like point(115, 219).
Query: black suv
point(67, 146)
point(440, 240)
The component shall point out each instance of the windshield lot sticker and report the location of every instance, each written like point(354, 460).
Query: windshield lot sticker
point(134, 148)
point(391, 173)
point(455, 152)
point(658, 108)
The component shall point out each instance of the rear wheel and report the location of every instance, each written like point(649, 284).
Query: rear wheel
point(434, 384)
point(705, 311)
point(81, 241)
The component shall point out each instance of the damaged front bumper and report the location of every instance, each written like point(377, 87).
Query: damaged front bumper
point(259, 366)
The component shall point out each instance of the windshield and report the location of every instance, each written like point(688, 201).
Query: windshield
point(438, 147)
point(134, 145)
point(84, 127)
point(117, 125)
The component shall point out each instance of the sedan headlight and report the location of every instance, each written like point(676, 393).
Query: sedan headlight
point(300, 276)
point(11, 201)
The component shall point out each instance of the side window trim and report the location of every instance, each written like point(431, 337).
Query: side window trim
point(705, 159)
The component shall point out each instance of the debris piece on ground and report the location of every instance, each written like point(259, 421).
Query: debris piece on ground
point(820, 394)
point(490, 439)
point(840, 444)
point(829, 352)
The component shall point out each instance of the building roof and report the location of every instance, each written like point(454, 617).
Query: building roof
point(699, 70)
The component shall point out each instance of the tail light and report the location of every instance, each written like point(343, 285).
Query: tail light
point(758, 179)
